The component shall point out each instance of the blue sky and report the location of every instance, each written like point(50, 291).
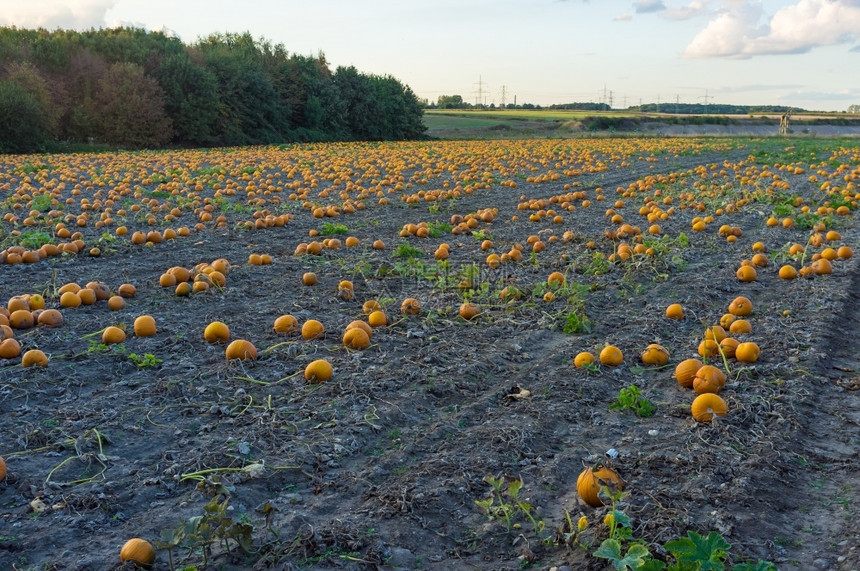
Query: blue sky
point(800, 53)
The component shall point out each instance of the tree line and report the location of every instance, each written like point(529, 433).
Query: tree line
point(130, 88)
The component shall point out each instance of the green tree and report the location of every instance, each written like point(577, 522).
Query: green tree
point(359, 106)
point(29, 78)
point(78, 115)
point(190, 99)
point(250, 108)
point(450, 102)
point(23, 122)
point(131, 108)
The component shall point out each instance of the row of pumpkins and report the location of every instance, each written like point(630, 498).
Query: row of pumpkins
point(706, 380)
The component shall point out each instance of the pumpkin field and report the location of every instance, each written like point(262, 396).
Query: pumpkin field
point(629, 353)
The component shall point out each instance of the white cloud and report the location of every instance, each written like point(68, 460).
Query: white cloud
point(688, 12)
point(646, 6)
point(52, 14)
point(625, 17)
point(797, 28)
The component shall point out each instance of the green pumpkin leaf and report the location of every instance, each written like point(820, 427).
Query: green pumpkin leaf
point(634, 559)
point(708, 551)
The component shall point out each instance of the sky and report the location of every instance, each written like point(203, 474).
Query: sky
point(795, 53)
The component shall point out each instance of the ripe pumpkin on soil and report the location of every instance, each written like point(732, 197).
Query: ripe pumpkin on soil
point(242, 350)
point(17, 303)
point(21, 319)
point(9, 348)
point(356, 338)
point(286, 324)
point(112, 335)
point(468, 311)
point(747, 352)
point(708, 405)
point(709, 379)
point(741, 306)
point(362, 325)
point(590, 481)
point(126, 290)
point(410, 306)
point(309, 278)
point(312, 329)
point(216, 332)
point(729, 346)
point(138, 551)
point(655, 354)
point(144, 326)
point(51, 318)
point(34, 358)
point(675, 311)
point(555, 279)
point(583, 358)
point(318, 371)
point(685, 372)
point(611, 356)
point(370, 306)
point(377, 318)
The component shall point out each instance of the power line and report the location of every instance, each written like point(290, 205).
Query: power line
point(480, 98)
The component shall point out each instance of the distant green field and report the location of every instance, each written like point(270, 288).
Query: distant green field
point(521, 123)
point(508, 120)
point(525, 114)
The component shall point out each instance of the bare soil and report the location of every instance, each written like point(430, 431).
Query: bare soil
point(380, 467)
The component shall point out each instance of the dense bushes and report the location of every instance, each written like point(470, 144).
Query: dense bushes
point(132, 88)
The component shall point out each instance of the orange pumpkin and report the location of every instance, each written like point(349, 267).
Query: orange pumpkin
point(410, 306)
point(685, 372)
point(741, 306)
point(242, 350)
point(370, 306)
point(21, 319)
point(9, 348)
point(312, 329)
point(360, 324)
point(318, 371)
point(708, 379)
point(590, 480)
point(611, 356)
point(675, 311)
point(286, 324)
point(583, 359)
point(468, 311)
point(356, 338)
point(740, 326)
point(655, 354)
point(144, 326)
point(729, 346)
point(787, 272)
point(747, 352)
point(112, 335)
point(708, 348)
point(377, 318)
point(708, 405)
point(51, 318)
point(138, 551)
point(216, 332)
point(556, 279)
point(34, 358)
